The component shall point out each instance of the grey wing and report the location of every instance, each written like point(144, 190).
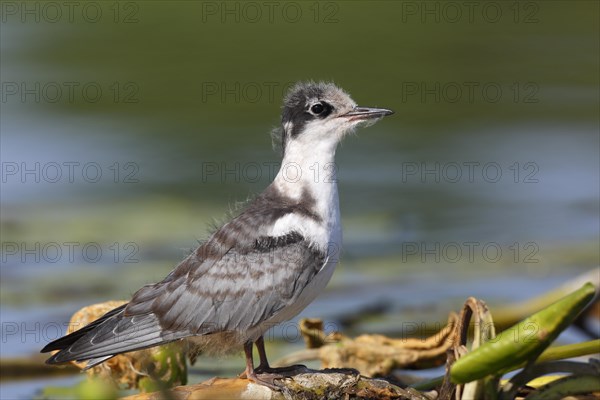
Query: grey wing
point(235, 281)
point(234, 293)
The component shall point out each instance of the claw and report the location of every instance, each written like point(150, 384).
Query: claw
point(267, 380)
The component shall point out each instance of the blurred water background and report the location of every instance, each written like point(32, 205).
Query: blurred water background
point(126, 127)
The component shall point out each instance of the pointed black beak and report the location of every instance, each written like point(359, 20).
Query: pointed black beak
point(367, 113)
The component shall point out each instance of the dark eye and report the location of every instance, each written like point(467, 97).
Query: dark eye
point(317, 108)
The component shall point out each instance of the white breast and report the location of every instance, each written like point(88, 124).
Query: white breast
point(327, 237)
point(310, 292)
point(317, 176)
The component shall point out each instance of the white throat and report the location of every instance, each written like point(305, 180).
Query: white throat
point(309, 167)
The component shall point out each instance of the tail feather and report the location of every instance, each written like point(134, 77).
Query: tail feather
point(71, 338)
point(110, 335)
point(92, 362)
point(85, 348)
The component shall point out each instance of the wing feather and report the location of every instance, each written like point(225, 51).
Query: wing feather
point(236, 293)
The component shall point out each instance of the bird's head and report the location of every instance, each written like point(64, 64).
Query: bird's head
point(317, 114)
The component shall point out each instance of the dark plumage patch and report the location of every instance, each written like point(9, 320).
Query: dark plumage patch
point(299, 115)
point(266, 243)
point(239, 233)
point(296, 107)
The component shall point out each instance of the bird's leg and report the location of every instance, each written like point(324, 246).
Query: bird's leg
point(264, 366)
point(250, 374)
point(249, 361)
point(260, 346)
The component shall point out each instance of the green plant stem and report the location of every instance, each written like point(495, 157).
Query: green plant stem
point(570, 351)
point(551, 354)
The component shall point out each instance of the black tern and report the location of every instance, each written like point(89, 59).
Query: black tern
point(259, 269)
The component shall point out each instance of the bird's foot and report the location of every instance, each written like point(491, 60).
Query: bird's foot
point(265, 379)
point(266, 376)
point(285, 372)
point(345, 371)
